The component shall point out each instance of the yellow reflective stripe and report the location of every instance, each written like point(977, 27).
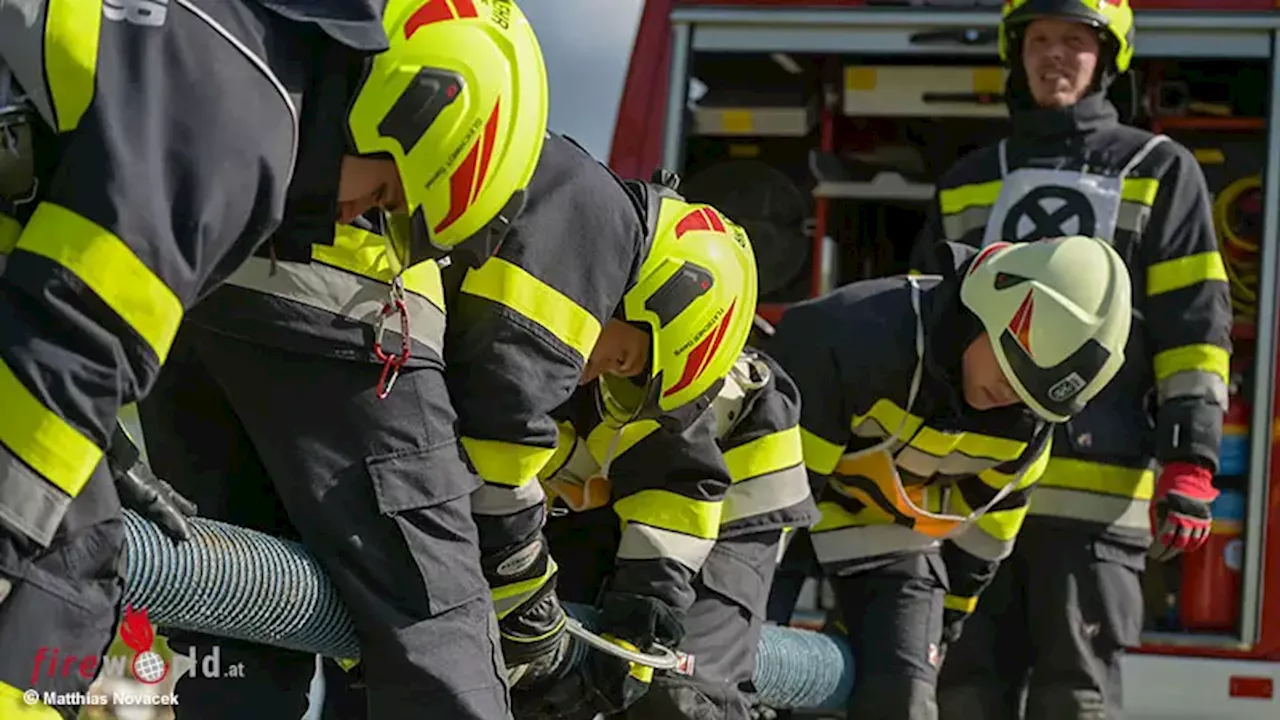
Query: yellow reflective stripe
point(1140, 190)
point(999, 480)
point(365, 254)
point(33, 432)
point(510, 285)
point(835, 517)
point(102, 260)
point(14, 707)
point(1003, 525)
point(766, 454)
point(505, 463)
point(666, 510)
point(953, 200)
point(1205, 358)
point(10, 231)
point(1073, 474)
point(507, 598)
point(605, 438)
point(914, 272)
point(566, 439)
point(71, 32)
point(820, 455)
point(963, 604)
point(1186, 271)
point(347, 663)
point(937, 443)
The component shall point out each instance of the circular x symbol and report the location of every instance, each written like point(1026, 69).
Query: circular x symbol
point(1074, 205)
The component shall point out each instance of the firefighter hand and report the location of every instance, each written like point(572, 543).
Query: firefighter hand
point(534, 642)
point(141, 491)
point(1180, 510)
point(600, 684)
point(641, 619)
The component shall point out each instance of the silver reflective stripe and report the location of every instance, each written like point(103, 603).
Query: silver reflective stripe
point(29, 504)
point(957, 225)
point(765, 493)
point(1110, 510)
point(1133, 216)
point(853, 543)
point(341, 293)
point(978, 543)
point(495, 499)
point(642, 542)
point(1193, 383)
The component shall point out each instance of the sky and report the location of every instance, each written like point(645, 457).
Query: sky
point(585, 70)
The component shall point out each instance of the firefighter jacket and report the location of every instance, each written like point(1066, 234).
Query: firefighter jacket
point(523, 323)
point(902, 464)
point(657, 480)
point(1079, 171)
point(161, 153)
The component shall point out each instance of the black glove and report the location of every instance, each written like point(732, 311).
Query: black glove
point(599, 684)
point(141, 491)
point(531, 621)
point(641, 619)
point(603, 683)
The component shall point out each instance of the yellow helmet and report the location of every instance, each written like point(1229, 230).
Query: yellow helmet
point(696, 292)
point(1114, 16)
point(1058, 312)
point(459, 101)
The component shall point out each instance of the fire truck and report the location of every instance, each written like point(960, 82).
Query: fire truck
point(821, 126)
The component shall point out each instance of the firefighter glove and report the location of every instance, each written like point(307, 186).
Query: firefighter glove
point(531, 621)
point(144, 493)
point(641, 619)
point(599, 684)
point(1181, 515)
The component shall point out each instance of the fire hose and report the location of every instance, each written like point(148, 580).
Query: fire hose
point(232, 582)
point(1239, 253)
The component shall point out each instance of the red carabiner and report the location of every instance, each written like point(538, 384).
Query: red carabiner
point(391, 362)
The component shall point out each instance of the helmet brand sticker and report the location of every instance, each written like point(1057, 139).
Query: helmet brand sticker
point(1066, 388)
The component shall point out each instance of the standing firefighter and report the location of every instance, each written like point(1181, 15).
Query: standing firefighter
point(1069, 601)
point(929, 440)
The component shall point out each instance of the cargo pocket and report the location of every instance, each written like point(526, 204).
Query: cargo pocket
point(428, 495)
point(1116, 595)
point(733, 573)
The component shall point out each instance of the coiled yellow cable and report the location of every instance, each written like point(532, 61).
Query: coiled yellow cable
point(1239, 254)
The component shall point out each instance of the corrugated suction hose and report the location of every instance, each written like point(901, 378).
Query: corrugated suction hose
point(238, 583)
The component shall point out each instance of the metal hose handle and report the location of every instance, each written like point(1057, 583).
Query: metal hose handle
point(662, 658)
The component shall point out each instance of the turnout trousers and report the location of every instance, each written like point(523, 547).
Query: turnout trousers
point(1046, 639)
point(892, 616)
point(58, 606)
point(722, 627)
point(378, 490)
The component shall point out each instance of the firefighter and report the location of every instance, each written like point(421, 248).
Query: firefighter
point(592, 257)
point(1140, 460)
point(932, 438)
point(754, 419)
point(171, 140)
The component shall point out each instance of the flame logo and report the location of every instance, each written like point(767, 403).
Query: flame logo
point(136, 630)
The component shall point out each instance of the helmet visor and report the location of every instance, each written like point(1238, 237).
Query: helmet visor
point(1053, 392)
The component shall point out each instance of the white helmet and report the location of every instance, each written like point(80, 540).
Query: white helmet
point(1058, 313)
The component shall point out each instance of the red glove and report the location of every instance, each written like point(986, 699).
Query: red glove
point(1180, 511)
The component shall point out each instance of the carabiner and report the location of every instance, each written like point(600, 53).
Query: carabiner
point(391, 362)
